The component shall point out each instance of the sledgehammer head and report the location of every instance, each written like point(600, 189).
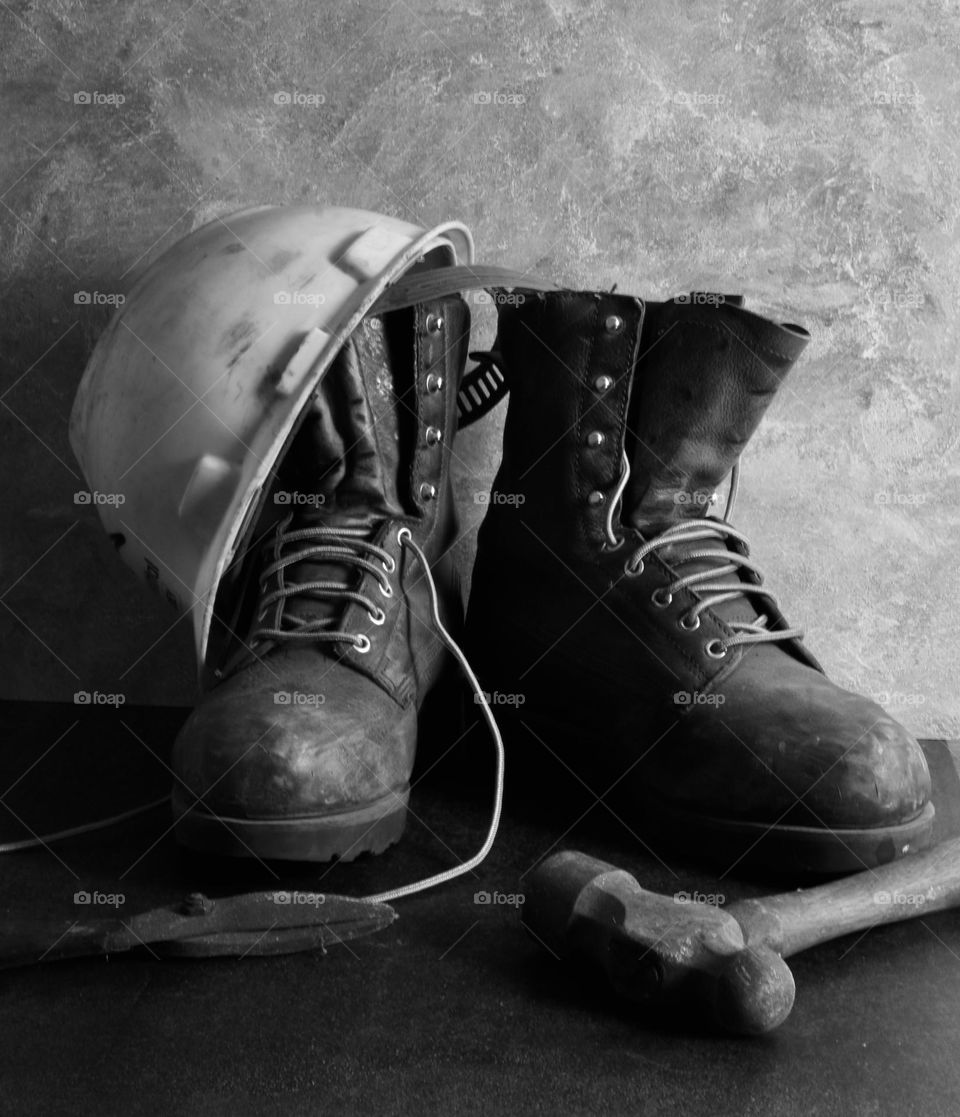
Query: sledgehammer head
point(652, 946)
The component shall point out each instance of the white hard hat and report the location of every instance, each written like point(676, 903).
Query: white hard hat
point(195, 388)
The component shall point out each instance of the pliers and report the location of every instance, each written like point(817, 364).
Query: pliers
point(254, 923)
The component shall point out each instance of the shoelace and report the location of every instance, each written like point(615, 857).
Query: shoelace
point(343, 545)
point(704, 582)
point(405, 539)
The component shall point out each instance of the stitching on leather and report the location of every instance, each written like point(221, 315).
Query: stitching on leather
point(583, 519)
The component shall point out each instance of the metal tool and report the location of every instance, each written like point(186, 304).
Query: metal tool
point(732, 958)
point(255, 923)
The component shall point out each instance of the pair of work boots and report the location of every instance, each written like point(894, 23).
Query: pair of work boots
point(620, 630)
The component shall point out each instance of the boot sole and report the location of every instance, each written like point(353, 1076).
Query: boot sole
point(795, 849)
point(812, 850)
point(341, 835)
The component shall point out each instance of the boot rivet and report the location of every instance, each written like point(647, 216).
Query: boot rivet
point(433, 435)
point(613, 324)
point(434, 324)
point(595, 498)
point(427, 491)
point(434, 382)
point(603, 383)
point(595, 438)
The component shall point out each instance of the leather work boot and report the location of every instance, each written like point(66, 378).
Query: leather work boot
point(303, 750)
point(624, 633)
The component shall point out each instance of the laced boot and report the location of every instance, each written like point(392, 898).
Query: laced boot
point(623, 631)
point(303, 750)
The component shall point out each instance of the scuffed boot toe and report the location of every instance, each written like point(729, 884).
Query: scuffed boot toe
point(292, 774)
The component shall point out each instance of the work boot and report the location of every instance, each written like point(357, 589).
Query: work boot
point(622, 630)
point(303, 750)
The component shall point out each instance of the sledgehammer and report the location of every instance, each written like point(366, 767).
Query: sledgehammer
point(652, 946)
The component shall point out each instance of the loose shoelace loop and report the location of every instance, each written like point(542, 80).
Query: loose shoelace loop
point(405, 539)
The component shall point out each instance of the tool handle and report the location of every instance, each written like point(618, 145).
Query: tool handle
point(918, 884)
point(52, 940)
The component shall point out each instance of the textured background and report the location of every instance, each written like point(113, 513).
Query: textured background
point(803, 153)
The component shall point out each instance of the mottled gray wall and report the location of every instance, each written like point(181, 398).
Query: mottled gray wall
point(804, 154)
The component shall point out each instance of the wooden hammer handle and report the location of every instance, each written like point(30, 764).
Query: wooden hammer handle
point(915, 885)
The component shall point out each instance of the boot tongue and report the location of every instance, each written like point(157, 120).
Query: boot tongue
point(700, 389)
point(343, 468)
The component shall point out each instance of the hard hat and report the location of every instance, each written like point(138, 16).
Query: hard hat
point(195, 388)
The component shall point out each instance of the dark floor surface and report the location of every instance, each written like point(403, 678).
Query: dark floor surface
point(451, 1010)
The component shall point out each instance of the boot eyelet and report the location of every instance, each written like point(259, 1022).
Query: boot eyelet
point(613, 324)
point(362, 644)
point(632, 569)
point(390, 566)
point(386, 590)
point(688, 623)
point(433, 323)
point(378, 617)
point(428, 491)
point(661, 598)
point(609, 547)
point(403, 534)
point(433, 435)
point(715, 649)
point(595, 438)
point(434, 382)
point(603, 384)
point(595, 498)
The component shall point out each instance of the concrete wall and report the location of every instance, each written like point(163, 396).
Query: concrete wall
point(804, 154)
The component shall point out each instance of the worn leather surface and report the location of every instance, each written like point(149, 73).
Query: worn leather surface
point(346, 734)
point(555, 617)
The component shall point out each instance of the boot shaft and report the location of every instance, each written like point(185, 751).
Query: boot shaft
point(678, 387)
point(371, 456)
